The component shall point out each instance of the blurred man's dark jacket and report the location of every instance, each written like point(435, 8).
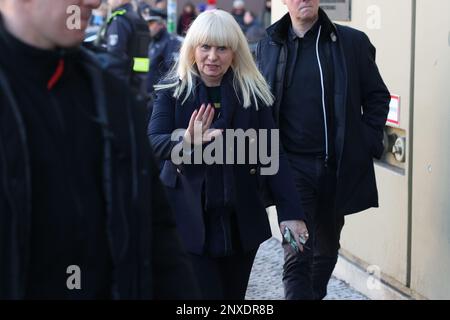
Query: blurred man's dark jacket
point(130, 233)
point(358, 94)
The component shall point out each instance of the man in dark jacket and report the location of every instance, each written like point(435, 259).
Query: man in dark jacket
point(82, 211)
point(331, 107)
point(238, 12)
point(163, 50)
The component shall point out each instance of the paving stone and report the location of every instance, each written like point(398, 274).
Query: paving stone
point(266, 284)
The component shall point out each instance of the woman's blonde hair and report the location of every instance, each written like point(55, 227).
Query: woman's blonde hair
point(218, 28)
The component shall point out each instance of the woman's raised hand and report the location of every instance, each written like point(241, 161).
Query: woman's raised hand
point(198, 131)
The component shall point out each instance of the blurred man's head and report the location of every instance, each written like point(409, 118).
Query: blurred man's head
point(156, 21)
point(249, 17)
point(238, 6)
point(303, 11)
point(189, 8)
point(155, 26)
point(46, 24)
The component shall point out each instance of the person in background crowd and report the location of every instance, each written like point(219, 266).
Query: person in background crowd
point(238, 12)
point(253, 30)
point(187, 16)
point(163, 51)
point(266, 15)
point(249, 21)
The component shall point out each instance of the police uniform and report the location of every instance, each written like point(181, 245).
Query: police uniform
point(126, 39)
point(163, 53)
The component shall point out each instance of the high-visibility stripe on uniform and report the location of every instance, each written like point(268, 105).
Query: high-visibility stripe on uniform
point(115, 14)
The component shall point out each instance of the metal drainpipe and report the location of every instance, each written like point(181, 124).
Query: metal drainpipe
point(410, 144)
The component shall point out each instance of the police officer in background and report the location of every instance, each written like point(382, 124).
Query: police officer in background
point(163, 49)
point(125, 36)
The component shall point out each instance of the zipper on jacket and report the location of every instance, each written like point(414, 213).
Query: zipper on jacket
point(323, 97)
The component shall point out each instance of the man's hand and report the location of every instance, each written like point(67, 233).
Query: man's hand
point(298, 230)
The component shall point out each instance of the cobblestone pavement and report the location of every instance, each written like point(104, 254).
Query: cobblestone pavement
point(266, 284)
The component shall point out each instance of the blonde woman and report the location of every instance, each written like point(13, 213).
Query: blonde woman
point(219, 208)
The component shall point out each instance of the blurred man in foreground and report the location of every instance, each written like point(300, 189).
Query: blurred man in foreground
point(82, 212)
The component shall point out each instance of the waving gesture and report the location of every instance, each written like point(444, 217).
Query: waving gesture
point(198, 131)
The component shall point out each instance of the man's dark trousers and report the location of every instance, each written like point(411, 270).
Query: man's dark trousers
point(307, 273)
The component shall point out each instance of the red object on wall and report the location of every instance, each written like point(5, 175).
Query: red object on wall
point(212, 2)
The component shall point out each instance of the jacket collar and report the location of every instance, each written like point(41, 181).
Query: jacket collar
point(279, 31)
